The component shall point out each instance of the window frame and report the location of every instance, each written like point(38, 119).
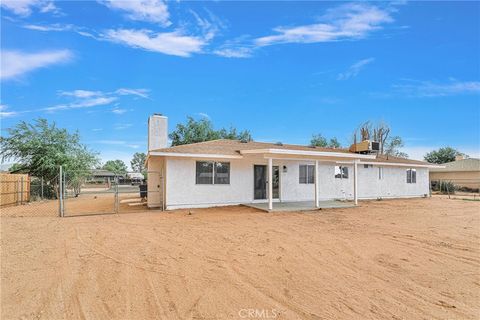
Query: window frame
point(411, 175)
point(343, 172)
point(213, 172)
point(309, 169)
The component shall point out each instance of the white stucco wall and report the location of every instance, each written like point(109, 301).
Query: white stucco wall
point(183, 192)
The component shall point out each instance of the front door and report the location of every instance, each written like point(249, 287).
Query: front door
point(260, 173)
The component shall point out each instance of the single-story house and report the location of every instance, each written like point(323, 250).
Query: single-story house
point(461, 172)
point(101, 176)
point(230, 172)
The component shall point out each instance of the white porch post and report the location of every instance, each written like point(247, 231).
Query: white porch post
point(355, 181)
point(270, 184)
point(317, 204)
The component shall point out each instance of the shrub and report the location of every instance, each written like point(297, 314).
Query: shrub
point(444, 187)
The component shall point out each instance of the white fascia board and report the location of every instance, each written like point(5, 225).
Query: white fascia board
point(194, 155)
point(309, 153)
point(394, 164)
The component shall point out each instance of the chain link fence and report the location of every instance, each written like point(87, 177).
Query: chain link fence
point(77, 193)
point(23, 195)
point(88, 193)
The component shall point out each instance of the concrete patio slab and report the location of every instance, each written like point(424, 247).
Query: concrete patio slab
point(300, 205)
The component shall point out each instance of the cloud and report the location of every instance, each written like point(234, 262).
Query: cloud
point(6, 114)
point(143, 93)
point(204, 115)
point(119, 111)
point(234, 52)
point(415, 88)
point(240, 47)
point(81, 93)
point(354, 69)
point(24, 8)
point(208, 27)
point(155, 11)
point(86, 103)
point(88, 98)
point(171, 43)
point(51, 27)
point(97, 129)
point(349, 21)
point(18, 63)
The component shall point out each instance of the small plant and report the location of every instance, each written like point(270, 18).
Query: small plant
point(445, 187)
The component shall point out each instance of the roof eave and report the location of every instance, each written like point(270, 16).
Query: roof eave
point(309, 153)
point(396, 164)
point(194, 155)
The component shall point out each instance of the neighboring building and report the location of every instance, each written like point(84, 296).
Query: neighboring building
point(229, 172)
point(462, 172)
point(135, 177)
point(100, 176)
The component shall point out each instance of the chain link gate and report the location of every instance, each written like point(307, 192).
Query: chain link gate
point(91, 193)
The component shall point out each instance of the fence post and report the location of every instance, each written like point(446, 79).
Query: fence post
point(16, 191)
point(60, 192)
point(116, 194)
point(22, 190)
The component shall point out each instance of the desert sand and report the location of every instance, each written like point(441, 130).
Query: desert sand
point(396, 259)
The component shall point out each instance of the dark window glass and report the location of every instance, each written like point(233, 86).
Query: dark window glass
point(222, 173)
point(345, 172)
point(311, 174)
point(412, 176)
point(303, 174)
point(204, 173)
point(307, 174)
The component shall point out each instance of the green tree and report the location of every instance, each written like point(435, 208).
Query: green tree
point(334, 143)
point(115, 166)
point(138, 162)
point(202, 130)
point(41, 148)
point(392, 147)
point(443, 155)
point(15, 168)
point(319, 140)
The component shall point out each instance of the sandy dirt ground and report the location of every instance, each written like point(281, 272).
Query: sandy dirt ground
point(396, 259)
point(84, 204)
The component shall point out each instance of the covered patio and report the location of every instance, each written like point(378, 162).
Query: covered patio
point(301, 205)
point(315, 157)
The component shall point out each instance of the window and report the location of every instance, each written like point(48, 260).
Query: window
point(341, 172)
point(366, 166)
point(380, 173)
point(209, 172)
point(307, 174)
point(412, 176)
point(222, 173)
